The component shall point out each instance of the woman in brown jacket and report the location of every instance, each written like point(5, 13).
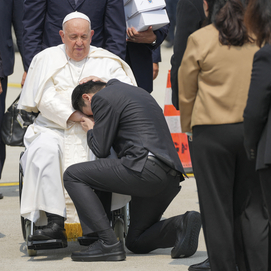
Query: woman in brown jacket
point(214, 79)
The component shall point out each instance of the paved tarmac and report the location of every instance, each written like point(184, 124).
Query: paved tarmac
point(13, 254)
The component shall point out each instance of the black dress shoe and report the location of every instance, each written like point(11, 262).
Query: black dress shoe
point(99, 251)
point(88, 239)
point(187, 235)
point(1, 195)
point(49, 232)
point(203, 266)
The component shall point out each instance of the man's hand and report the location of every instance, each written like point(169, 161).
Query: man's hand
point(155, 70)
point(23, 79)
point(147, 36)
point(1, 90)
point(77, 116)
point(91, 78)
point(87, 123)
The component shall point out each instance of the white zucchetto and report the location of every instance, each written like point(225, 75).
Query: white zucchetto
point(75, 15)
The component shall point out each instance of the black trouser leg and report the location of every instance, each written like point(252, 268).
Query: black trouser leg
point(146, 231)
point(152, 190)
point(224, 178)
point(105, 198)
point(265, 179)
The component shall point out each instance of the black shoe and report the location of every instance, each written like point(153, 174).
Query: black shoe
point(49, 232)
point(88, 239)
point(187, 235)
point(203, 266)
point(99, 251)
point(1, 195)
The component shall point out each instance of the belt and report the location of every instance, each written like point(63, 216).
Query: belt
point(164, 166)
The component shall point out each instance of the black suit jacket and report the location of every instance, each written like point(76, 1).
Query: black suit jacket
point(257, 114)
point(189, 18)
point(43, 20)
point(11, 13)
point(129, 119)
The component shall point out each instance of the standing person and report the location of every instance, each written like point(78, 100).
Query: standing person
point(148, 168)
point(189, 18)
point(257, 117)
point(11, 14)
point(140, 46)
point(56, 139)
point(171, 6)
point(213, 84)
point(43, 19)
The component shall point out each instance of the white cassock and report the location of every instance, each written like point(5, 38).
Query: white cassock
point(52, 142)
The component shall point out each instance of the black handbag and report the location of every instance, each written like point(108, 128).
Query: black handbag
point(15, 123)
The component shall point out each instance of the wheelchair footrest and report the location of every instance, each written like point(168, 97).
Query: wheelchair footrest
point(47, 244)
point(86, 240)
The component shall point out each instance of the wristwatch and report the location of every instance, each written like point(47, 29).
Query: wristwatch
point(153, 43)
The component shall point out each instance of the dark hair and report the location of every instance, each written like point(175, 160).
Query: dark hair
point(227, 16)
point(258, 20)
point(88, 87)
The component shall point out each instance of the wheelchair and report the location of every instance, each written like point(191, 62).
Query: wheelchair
point(120, 224)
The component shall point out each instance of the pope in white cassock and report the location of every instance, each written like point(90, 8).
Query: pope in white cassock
point(56, 140)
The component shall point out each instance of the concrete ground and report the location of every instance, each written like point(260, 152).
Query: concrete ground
point(12, 246)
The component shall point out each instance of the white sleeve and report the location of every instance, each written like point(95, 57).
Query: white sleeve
point(117, 72)
point(55, 105)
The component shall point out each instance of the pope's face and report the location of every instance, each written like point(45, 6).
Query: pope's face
point(77, 35)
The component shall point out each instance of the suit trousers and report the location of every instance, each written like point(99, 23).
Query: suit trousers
point(265, 179)
point(233, 215)
point(152, 190)
point(4, 83)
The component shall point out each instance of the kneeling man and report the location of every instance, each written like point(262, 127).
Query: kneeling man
point(147, 168)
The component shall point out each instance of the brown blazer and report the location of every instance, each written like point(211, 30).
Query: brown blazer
point(213, 80)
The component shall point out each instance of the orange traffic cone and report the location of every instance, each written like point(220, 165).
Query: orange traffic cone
point(173, 120)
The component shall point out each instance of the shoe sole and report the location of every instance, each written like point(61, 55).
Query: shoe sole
point(98, 258)
point(47, 244)
point(189, 244)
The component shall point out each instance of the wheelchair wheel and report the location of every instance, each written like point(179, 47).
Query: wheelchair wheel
point(30, 252)
point(121, 221)
point(126, 217)
point(20, 197)
point(119, 229)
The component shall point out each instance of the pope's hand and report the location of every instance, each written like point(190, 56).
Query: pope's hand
point(76, 116)
point(91, 78)
point(1, 90)
point(87, 123)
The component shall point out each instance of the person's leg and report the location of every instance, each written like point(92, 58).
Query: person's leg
point(251, 221)
point(43, 188)
point(150, 197)
point(146, 230)
point(214, 170)
point(4, 82)
point(43, 200)
point(105, 175)
point(265, 181)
